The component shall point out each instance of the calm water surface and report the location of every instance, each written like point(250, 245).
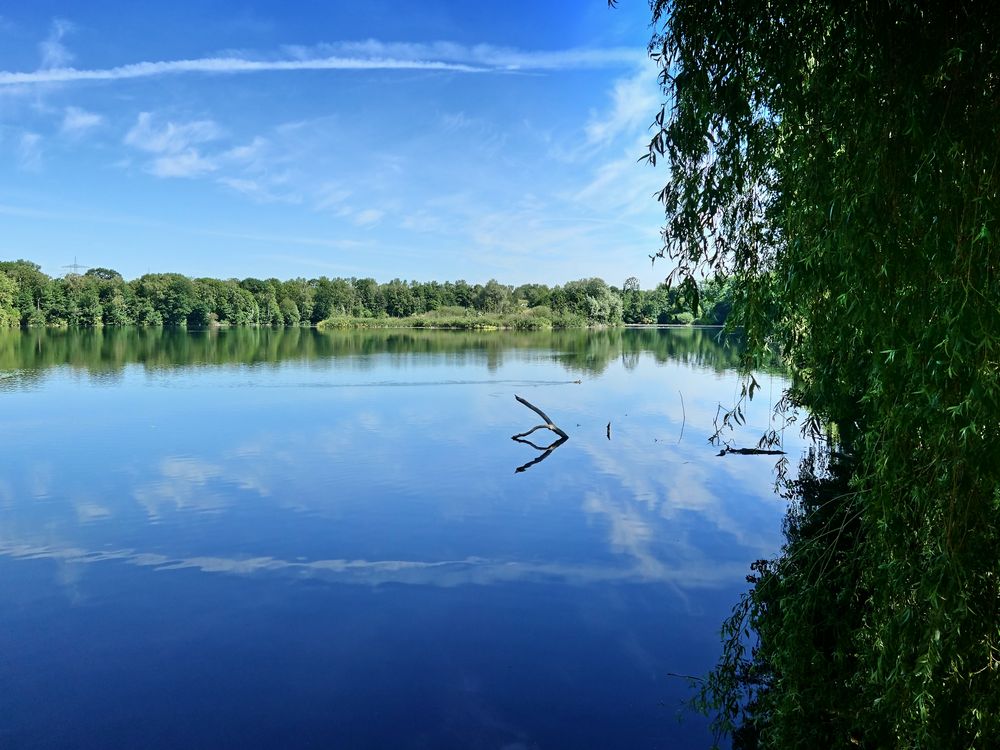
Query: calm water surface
point(288, 538)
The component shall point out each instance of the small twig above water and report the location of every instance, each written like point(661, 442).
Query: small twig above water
point(684, 418)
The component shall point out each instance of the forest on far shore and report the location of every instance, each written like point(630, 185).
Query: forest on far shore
point(101, 297)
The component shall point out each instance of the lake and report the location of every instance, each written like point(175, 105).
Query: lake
point(290, 538)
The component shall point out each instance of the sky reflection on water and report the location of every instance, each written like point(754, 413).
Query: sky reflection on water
point(246, 540)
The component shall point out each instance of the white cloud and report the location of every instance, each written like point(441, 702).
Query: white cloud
point(53, 51)
point(634, 102)
point(187, 163)
point(368, 216)
point(171, 138)
point(77, 121)
point(617, 181)
point(247, 187)
point(260, 190)
point(196, 149)
point(422, 221)
point(249, 154)
point(175, 145)
point(331, 195)
point(29, 152)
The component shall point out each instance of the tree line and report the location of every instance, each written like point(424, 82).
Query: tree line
point(101, 297)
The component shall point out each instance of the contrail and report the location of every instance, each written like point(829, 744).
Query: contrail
point(227, 65)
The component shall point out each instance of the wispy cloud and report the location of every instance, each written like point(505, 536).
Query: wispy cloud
point(248, 154)
point(361, 56)
point(256, 190)
point(29, 152)
point(175, 145)
point(633, 102)
point(218, 65)
point(368, 216)
point(614, 138)
point(331, 196)
point(188, 163)
point(53, 51)
point(170, 138)
point(77, 121)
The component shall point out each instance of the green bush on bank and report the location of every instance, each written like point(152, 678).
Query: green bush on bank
point(531, 319)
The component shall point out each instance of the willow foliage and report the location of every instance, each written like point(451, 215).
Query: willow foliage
point(840, 161)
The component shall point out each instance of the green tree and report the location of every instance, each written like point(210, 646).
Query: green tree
point(10, 316)
point(301, 293)
point(331, 297)
point(88, 305)
point(171, 296)
point(235, 305)
point(399, 300)
point(116, 311)
point(58, 307)
point(265, 297)
point(839, 162)
point(103, 274)
point(30, 285)
point(632, 301)
point(368, 298)
point(289, 312)
point(494, 297)
point(604, 307)
point(206, 302)
point(146, 314)
point(464, 296)
point(534, 295)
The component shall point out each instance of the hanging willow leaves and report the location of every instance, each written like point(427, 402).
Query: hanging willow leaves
point(839, 162)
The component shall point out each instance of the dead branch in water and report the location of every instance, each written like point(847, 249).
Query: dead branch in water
point(546, 450)
point(750, 452)
point(549, 424)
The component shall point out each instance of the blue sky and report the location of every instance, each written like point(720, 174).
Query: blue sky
point(431, 140)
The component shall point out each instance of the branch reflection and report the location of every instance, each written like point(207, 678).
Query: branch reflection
point(546, 452)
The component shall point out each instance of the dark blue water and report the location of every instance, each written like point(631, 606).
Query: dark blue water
point(284, 539)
